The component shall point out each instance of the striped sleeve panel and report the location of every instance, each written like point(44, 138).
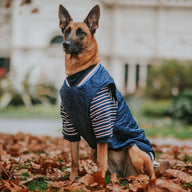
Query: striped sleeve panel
point(69, 131)
point(102, 113)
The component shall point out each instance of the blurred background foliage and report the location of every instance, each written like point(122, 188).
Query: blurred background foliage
point(169, 78)
point(26, 93)
point(181, 107)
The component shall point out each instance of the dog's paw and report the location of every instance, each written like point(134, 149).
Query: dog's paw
point(141, 161)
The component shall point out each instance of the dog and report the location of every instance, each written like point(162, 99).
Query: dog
point(93, 108)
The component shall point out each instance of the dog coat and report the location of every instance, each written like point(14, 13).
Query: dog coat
point(76, 105)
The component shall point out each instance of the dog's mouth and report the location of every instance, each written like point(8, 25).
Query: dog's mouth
point(72, 52)
point(72, 48)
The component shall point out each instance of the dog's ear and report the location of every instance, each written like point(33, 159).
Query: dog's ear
point(64, 17)
point(92, 19)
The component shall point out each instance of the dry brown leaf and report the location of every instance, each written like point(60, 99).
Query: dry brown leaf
point(87, 179)
point(161, 185)
point(7, 5)
point(94, 184)
point(135, 186)
point(114, 178)
point(138, 179)
point(164, 165)
point(98, 178)
point(59, 184)
point(13, 187)
point(142, 178)
point(76, 187)
point(3, 173)
point(35, 165)
point(72, 188)
point(35, 10)
point(117, 188)
point(184, 177)
point(48, 158)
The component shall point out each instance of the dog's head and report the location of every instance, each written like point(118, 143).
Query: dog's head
point(78, 36)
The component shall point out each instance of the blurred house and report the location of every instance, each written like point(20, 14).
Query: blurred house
point(133, 34)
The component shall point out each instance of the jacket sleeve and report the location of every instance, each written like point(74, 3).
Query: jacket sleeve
point(103, 111)
point(68, 129)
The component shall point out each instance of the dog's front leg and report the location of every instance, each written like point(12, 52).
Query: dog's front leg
point(74, 146)
point(102, 153)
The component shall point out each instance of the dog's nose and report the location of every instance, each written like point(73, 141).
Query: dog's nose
point(66, 44)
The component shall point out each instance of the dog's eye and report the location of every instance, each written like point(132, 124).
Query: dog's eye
point(80, 32)
point(67, 31)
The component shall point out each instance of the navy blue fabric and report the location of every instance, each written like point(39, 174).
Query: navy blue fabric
point(76, 78)
point(77, 100)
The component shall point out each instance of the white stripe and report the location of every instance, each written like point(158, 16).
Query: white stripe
point(90, 75)
point(99, 97)
point(104, 134)
point(113, 115)
point(100, 105)
point(101, 122)
point(67, 83)
point(152, 156)
point(104, 127)
point(70, 131)
point(99, 111)
point(71, 134)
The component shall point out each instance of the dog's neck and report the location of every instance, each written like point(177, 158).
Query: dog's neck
point(76, 63)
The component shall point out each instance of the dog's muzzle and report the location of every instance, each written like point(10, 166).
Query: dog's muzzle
point(72, 48)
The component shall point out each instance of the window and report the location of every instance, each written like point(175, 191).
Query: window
point(57, 40)
point(126, 74)
point(4, 66)
point(137, 75)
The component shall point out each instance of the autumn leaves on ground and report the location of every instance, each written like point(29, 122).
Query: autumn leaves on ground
point(30, 163)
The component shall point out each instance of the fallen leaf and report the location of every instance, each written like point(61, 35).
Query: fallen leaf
point(13, 187)
point(87, 179)
point(184, 177)
point(3, 173)
point(35, 10)
point(164, 165)
point(25, 159)
point(98, 178)
point(134, 187)
point(117, 188)
point(72, 188)
point(162, 185)
point(35, 165)
point(114, 178)
point(94, 184)
point(138, 179)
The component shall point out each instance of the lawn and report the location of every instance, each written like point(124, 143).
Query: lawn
point(37, 111)
point(146, 112)
point(149, 116)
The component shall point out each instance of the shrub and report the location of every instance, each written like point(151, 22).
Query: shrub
point(26, 93)
point(181, 107)
point(154, 108)
point(46, 93)
point(169, 78)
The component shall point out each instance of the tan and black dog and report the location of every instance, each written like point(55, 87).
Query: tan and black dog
point(81, 52)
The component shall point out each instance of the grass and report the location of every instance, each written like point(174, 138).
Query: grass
point(37, 111)
point(148, 115)
point(146, 112)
